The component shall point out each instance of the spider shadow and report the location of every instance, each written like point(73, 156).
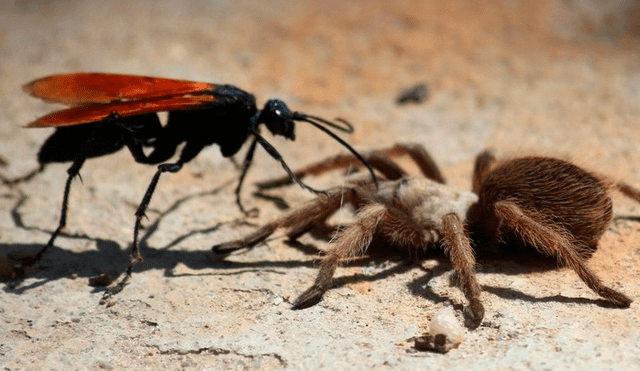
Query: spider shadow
point(405, 261)
point(507, 260)
point(111, 258)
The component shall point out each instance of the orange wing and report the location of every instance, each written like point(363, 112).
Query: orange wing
point(86, 88)
point(96, 112)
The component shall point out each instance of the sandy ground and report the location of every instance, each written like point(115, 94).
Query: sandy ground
point(559, 78)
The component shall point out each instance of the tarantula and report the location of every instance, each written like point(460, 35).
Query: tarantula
point(553, 205)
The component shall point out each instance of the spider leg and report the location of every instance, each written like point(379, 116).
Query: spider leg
point(384, 165)
point(299, 220)
point(533, 228)
point(421, 157)
point(457, 245)
point(627, 190)
point(483, 165)
point(349, 242)
point(378, 159)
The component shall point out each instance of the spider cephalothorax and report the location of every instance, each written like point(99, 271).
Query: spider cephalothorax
point(558, 208)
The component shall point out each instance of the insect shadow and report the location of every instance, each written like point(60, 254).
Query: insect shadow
point(108, 256)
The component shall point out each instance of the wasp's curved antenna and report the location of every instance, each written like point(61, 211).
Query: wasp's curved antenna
point(317, 122)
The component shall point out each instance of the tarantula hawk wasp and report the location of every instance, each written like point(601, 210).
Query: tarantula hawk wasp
point(110, 111)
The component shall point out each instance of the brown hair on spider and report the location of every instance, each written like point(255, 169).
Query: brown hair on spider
point(552, 205)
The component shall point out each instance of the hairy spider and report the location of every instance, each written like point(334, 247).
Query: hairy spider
point(553, 205)
point(550, 204)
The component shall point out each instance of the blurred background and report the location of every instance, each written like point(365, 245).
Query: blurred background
point(516, 74)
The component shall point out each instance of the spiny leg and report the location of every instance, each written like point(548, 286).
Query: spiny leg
point(388, 168)
point(76, 143)
point(276, 156)
point(421, 157)
point(627, 190)
point(402, 230)
point(352, 241)
point(483, 164)
point(383, 164)
point(72, 172)
point(457, 246)
point(136, 257)
point(379, 160)
point(245, 168)
point(554, 242)
point(316, 211)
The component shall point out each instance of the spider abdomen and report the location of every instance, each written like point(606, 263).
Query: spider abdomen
point(563, 194)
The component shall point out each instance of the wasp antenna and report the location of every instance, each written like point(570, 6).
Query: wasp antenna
point(310, 119)
point(347, 128)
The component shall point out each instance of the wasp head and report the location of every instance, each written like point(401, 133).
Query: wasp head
point(278, 118)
